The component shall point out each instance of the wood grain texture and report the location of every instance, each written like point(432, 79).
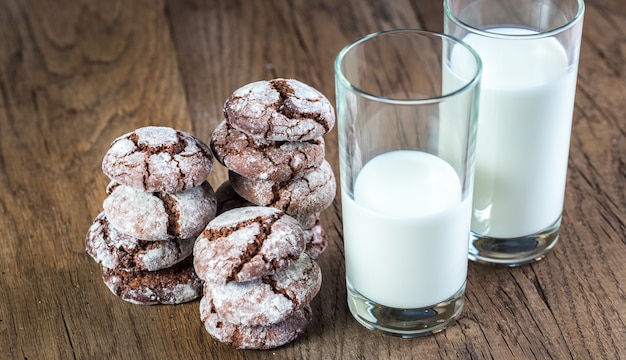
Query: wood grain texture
point(76, 74)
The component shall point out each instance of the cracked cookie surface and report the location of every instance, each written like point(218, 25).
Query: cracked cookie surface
point(160, 216)
point(316, 241)
point(157, 158)
point(265, 160)
point(311, 193)
point(174, 285)
point(268, 300)
point(280, 110)
point(247, 243)
point(254, 337)
point(114, 249)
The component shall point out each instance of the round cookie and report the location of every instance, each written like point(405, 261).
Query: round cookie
point(280, 110)
point(254, 337)
point(174, 285)
point(268, 300)
point(114, 249)
point(311, 193)
point(158, 215)
point(157, 158)
point(266, 160)
point(228, 199)
point(247, 243)
point(316, 241)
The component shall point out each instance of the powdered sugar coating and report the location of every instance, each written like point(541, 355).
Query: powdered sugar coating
point(175, 285)
point(311, 193)
point(280, 110)
point(254, 337)
point(247, 243)
point(160, 216)
point(268, 300)
point(316, 241)
point(114, 249)
point(157, 158)
point(259, 159)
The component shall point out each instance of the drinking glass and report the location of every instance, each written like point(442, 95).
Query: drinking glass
point(529, 50)
point(407, 123)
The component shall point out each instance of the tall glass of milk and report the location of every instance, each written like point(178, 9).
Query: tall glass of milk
point(529, 50)
point(406, 148)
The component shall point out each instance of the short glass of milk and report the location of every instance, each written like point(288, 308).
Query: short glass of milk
point(529, 50)
point(406, 125)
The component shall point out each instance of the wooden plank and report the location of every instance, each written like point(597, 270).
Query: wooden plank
point(76, 74)
point(72, 78)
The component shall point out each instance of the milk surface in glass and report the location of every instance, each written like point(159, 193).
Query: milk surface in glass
point(406, 230)
point(524, 123)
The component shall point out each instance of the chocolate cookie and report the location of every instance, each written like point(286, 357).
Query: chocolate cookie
point(247, 243)
point(280, 110)
point(266, 160)
point(158, 159)
point(228, 199)
point(174, 285)
point(316, 241)
point(268, 300)
point(159, 215)
point(311, 193)
point(114, 249)
point(254, 337)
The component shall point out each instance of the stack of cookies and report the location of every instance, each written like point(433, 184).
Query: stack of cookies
point(272, 143)
point(158, 202)
point(258, 281)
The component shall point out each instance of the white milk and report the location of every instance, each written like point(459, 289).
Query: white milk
point(406, 230)
point(524, 123)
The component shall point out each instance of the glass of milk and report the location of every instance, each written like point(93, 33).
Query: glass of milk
point(529, 50)
point(407, 124)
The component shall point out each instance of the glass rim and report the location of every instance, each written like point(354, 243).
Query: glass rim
point(341, 78)
point(544, 34)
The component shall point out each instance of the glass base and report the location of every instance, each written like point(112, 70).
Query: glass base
point(513, 251)
point(406, 323)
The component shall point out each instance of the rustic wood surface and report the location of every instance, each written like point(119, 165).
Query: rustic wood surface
point(76, 74)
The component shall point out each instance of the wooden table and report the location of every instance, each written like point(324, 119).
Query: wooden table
point(76, 74)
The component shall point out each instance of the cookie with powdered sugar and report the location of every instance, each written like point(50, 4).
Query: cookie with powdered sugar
point(316, 241)
point(254, 337)
point(247, 243)
point(268, 300)
point(280, 110)
point(311, 193)
point(117, 250)
point(266, 160)
point(155, 158)
point(158, 215)
point(174, 285)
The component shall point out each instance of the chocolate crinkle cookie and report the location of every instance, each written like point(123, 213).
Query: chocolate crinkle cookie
point(280, 110)
point(247, 243)
point(116, 250)
point(260, 337)
point(155, 158)
point(316, 241)
point(267, 300)
point(174, 285)
point(266, 160)
point(309, 194)
point(160, 215)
